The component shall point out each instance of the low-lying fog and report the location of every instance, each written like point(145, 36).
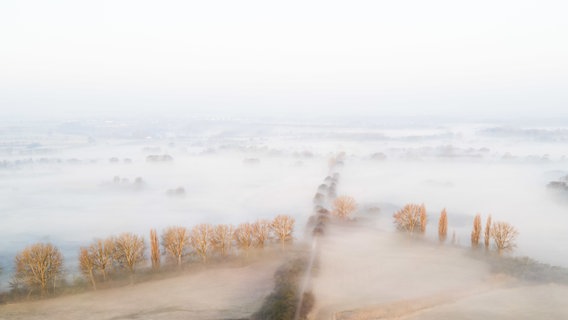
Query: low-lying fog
point(71, 182)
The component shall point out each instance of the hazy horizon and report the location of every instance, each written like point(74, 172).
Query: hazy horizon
point(137, 115)
point(318, 58)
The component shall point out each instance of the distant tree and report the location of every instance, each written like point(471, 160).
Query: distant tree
point(487, 234)
point(222, 239)
point(87, 265)
point(408, 219)
point(175, 241)
point(103, 253)
point(244, 236)
point(476, 232)
point(283, 226)
point(344, 206)
point(154, 250)
point(332, 191)
point(199, 239)
point(38, 266)
point(443, 226)
point(319, 198)
point(129, 249)
point(504, 236)
point(261, 232)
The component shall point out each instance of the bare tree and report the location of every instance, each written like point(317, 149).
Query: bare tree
point(423, 219)
point(487, 234)
point(103, 254)
point(344, 206)
point(129, 249)
point(87, 265)
point(283, 226)
point(154, 250)
point(199, 239)
point(504, 236)
point(222, 238)
point(244, 236)
point(476, 232)
point(261, 232)
point(38, 266)
point(443, 226)
point(408, 218)
point(175, 241)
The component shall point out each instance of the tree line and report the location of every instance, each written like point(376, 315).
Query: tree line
point(39, 267)
point(412, 218)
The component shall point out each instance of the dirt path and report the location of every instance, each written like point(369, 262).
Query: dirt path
point(220, 293)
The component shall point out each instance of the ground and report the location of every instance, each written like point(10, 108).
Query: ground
point(369, 274)
point(361, 273)
point(231, 292)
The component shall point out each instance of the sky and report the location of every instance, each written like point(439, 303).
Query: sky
point(358, 58)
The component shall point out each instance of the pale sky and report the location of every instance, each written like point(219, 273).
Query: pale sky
point(470, 58)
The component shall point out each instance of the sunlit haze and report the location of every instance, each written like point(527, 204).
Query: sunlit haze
point(364, 58)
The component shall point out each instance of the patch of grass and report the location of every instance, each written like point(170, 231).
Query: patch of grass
point(525, 268)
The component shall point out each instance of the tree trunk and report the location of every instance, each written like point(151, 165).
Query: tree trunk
point(92, 276)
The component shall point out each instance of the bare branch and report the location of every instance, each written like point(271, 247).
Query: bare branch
point(87, 265)
point(222, 238)
point(261, 232)
point(408, 218)
point(283, 226)
point(175, 241)
point(103, 254)
point(244, 236)
point(344, 206)
point(199, 239)
point(38, 265)
point(504, 236)
point(129, 250)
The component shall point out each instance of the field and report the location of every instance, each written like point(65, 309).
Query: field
point(81, 184)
